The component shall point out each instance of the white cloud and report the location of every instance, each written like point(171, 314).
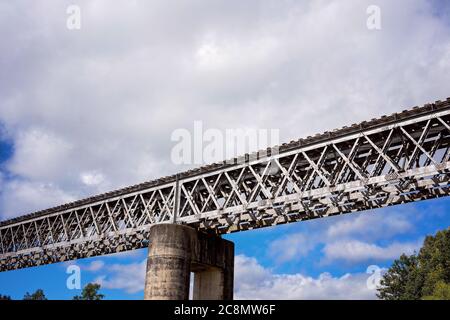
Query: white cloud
point(127, 277)
point(94, 266)
point(109, 95)
point(358, 251)
point(252, 281)
point(372, 224)
point(92, 178)
point(291, 247)
point(39, 155)
point(18, 196)
point(337, 235)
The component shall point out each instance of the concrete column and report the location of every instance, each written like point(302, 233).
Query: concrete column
point(169, 261)
point(209, 284)
point(213, 268)
point(175, 251)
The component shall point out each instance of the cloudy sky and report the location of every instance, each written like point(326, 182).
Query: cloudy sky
point(90, 110)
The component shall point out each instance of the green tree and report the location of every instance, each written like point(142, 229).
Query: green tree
point(2, 297)
point(422, 276)
point(434, 260)
point(397, 282)
point(441, 292)
point(90, 292)
point(38, 295)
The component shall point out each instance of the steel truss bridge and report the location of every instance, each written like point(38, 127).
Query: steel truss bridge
point(392, 160)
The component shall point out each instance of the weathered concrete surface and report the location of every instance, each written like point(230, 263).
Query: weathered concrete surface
point(209, 284)
point(177, 250)
point(168, 263)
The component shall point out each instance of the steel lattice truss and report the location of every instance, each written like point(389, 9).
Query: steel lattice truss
point(393, 160)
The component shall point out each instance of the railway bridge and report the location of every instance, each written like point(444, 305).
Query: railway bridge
point(392, 160)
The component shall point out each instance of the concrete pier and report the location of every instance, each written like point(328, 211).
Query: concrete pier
point(177, 250)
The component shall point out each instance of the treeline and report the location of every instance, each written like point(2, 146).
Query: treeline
point(89, 292)
point(421, 276)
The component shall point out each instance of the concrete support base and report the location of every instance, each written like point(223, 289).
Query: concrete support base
point(175, 251)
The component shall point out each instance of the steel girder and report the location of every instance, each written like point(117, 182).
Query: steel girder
point(388, 161)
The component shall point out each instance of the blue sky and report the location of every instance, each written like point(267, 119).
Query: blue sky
point(407, 224)
point(91, 110)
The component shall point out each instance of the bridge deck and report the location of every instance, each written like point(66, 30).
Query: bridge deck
point(392, 160)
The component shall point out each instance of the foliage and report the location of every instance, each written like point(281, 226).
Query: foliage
point(398, 281)
point(90, 292)
point(425, 275)
point(37, 295)
point(441, 292)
